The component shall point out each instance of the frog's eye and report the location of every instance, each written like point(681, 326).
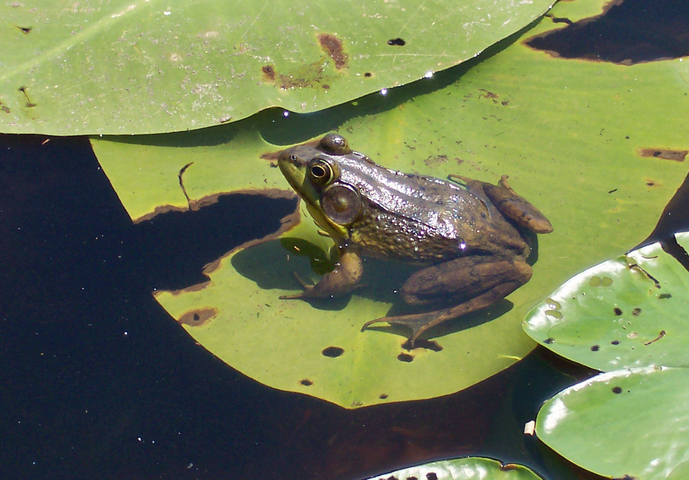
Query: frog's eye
point(320, 171)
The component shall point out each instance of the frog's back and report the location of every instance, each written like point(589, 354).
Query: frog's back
point(411, 217)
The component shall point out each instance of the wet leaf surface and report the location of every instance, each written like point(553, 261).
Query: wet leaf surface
point(627, 423)
point(627, 312)
point(472, 468)
point(124, 67)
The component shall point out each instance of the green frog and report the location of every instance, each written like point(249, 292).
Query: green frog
point(470, 239)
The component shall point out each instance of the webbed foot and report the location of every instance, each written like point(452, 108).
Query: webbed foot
point(421, 322)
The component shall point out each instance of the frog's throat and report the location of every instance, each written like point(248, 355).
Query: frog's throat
point(335, 231)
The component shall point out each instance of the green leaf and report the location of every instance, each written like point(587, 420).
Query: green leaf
point(471, 468)
point(626, 312)
point(568, 132)
point(623, 424)
point(146, 66)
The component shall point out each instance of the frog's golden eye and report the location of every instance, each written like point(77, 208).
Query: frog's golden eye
point(320, 171)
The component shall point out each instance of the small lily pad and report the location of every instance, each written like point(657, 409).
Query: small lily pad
point(627, 312)
point(471, 468)
point(629, 423)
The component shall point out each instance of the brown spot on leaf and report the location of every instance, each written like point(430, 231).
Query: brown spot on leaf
point(660, 335)
point(664, 153)
point(4, 108)
point(434, 161)
point(368, 74)
point(486, 94)
point(398, 42)
point(29, 103)
point(24, 30)
point(198, 317)
point(306, 382)
point(268, 73)
point(333, 47)
point(510, 466)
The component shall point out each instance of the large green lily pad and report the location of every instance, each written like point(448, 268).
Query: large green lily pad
point(626, 312)
point(573, 136)
point(471, 468)
point(147, 66)
point(629, 423)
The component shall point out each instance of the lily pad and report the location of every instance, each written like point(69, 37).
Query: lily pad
point(571, 135)
point(629, 423)
point(626, 312)
point(143, 67)
point(471, 468)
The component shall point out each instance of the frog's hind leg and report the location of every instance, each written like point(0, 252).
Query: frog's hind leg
point(421, 322)
point(491, 282)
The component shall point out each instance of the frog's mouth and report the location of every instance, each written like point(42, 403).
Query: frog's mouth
point(294, 170)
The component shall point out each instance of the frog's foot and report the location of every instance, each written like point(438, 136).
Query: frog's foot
point(418, 323)
point(340, 281)
point(421, 322)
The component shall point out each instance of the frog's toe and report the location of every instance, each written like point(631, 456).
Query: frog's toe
point(418, 323)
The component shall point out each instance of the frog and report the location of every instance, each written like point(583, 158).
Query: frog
point(470, 239)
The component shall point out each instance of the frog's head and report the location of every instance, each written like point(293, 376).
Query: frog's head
point(314, 173)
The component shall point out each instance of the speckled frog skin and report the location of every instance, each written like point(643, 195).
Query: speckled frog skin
point(468, 236)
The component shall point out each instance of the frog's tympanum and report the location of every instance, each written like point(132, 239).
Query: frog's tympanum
point(470, 238)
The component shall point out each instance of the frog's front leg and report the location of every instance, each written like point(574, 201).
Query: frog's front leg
point(476, 282)
point(342, 280)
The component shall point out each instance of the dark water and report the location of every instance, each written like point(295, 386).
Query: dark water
point(97, 381)
point(628, 32)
